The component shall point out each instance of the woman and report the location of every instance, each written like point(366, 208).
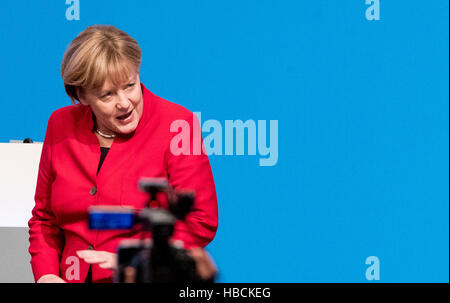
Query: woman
point(94, 153)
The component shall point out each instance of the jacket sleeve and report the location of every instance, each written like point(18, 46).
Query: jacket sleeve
point(46, 238)
point(193, 172)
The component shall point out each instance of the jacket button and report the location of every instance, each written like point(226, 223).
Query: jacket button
point(91, 247)
point(93, 191)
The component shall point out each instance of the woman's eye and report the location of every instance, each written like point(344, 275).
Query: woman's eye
point(105, 96)
point(130, 85)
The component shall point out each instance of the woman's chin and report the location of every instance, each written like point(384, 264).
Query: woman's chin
point(126, 129)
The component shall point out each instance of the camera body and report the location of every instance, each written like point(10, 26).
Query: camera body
point(157, 259)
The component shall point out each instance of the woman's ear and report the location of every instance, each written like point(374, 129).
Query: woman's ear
point(81, 96)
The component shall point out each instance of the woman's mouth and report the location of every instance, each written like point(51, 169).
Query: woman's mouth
point(124, 116)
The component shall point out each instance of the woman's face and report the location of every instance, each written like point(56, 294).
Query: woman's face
point(117, 109)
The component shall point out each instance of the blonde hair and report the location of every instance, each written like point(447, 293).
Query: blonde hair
point(98, 53)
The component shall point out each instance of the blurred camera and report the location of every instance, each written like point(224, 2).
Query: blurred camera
point(157, 259)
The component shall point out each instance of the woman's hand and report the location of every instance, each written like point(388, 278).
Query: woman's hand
point(104, 259)
point(51, 278)
point(205, 266)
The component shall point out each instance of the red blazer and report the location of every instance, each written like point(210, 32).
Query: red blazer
point(67, 185)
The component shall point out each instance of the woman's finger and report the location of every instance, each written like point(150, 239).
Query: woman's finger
point(209, 262)
point(204, 264)
point(94, 260)
point(91, 256)
point(107, 264)
point(104, 258)
point(87, 253)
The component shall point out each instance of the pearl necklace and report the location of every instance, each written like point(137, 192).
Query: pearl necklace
point(104, 135)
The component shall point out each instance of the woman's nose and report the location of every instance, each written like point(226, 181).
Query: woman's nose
point(123, 102)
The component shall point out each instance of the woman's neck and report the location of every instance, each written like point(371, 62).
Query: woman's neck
point(104, 142)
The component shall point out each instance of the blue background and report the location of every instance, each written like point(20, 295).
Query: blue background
point(362, 109)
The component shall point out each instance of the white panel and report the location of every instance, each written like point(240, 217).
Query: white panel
point(19, 163)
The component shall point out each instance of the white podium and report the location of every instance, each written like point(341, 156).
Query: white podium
point(19, 163)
